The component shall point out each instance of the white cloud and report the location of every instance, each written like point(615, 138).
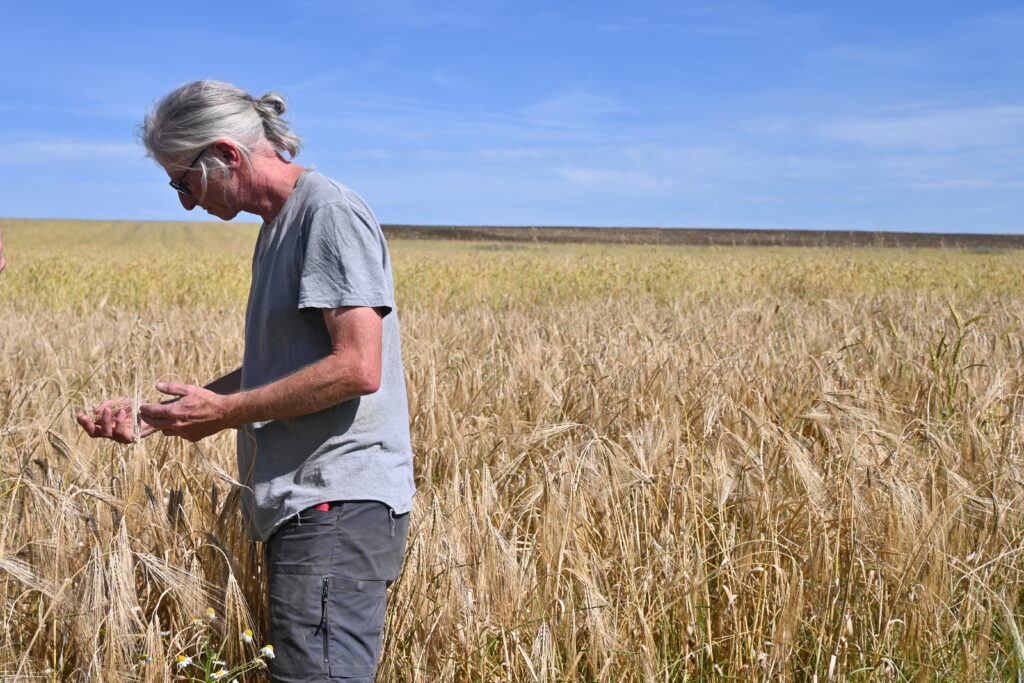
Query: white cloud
point(965, 184)
point(570, 108)
point(871, 55)
point(999, 24)
point(313, 83)
point(940, 130)
point(741, 18)
point(68, 150)
point(515, 153)
point(413, 15)
point(604, 177)
point(366, 154)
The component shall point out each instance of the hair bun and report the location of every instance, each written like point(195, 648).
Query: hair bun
point(274, 102)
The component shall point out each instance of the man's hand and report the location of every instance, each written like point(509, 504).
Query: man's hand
point(195, 415)
point(113, 420)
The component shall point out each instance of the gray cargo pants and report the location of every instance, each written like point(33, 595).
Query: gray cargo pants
point(328, 574)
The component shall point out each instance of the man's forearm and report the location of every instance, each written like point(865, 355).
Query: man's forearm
point(327, 382)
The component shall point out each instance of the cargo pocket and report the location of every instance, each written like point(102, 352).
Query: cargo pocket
point(356, 622)
point(296, 625)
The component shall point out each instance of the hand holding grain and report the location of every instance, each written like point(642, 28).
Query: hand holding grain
point(113, 420)
point(195, 415)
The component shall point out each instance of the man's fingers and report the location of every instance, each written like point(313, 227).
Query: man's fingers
point(113, 419)
point(176, 430)
point(88, 425)
point(163, 424)
point(156, 411)
point(174, 388)
point(106, 423)
point(123, 426)
point(114, 403)
point(116, 426)
point(182, 433)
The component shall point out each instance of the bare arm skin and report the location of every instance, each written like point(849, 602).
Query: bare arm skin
point(351, 369)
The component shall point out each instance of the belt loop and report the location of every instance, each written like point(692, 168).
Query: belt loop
point(391, 517)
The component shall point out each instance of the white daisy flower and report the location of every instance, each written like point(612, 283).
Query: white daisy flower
point(211, 614)
point(219, 674)
point(247, 636)
point(267, 651)
point(183, 661)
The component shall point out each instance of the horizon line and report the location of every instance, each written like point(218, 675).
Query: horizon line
point(552, 226)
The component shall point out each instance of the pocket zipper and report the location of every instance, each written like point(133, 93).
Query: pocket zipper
point(323, 616)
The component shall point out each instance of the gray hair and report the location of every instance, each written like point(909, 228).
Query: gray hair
point(195, 115)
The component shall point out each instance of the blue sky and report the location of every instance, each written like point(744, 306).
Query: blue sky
point(867, 115)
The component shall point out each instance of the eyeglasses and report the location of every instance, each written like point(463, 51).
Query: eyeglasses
point(179, 184)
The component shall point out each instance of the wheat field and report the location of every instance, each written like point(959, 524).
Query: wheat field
point(633, 464)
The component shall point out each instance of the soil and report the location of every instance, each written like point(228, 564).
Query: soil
point(706, 237)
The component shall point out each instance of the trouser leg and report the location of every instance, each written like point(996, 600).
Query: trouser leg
point(328, 575)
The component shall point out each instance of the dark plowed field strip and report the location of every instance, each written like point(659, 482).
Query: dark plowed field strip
point(706, 237)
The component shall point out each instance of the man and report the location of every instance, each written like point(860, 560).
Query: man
point(319, 400)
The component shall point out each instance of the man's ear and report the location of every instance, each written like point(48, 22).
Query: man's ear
point(227, 152)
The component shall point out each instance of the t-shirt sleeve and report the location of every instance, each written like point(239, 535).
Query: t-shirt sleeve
point(345, 262)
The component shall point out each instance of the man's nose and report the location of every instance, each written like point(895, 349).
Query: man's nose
point(188, 202)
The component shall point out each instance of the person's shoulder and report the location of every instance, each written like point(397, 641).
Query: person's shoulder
point(324, 192)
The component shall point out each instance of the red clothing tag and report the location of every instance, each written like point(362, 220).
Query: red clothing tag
point(323, 507)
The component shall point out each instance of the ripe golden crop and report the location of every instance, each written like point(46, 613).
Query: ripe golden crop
point(633, 463)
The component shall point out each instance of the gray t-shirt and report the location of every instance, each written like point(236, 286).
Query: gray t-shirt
point(323, 250)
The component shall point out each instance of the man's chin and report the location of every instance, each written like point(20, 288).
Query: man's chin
point(223, 216)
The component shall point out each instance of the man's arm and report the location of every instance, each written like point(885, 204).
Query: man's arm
point(113, 418)
point(351, 369)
